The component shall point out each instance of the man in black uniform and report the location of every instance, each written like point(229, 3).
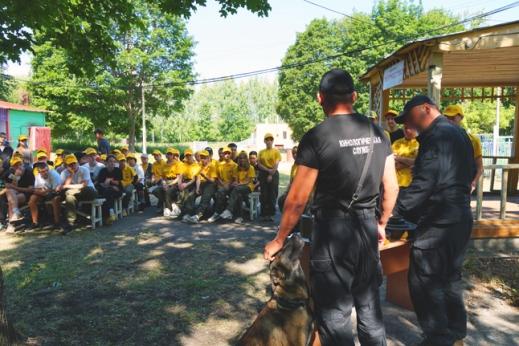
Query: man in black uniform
point(345, 265)
point(438, 200)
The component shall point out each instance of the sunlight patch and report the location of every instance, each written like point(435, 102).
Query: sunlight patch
point(247, 268)
point(151, 265)
point(235, 244)
point(179, 245)
point(95, 252)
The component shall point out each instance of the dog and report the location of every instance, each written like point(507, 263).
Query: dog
point(286, 319)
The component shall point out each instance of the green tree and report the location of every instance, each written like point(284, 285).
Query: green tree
point(84, 28)
point(363, 40)
point(480, 117)
point(156, 56)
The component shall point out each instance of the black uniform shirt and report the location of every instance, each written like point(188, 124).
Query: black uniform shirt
point(442, 174)
point(338, 147)
point(115, 174)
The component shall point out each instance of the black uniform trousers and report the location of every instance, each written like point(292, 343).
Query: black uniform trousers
point(346, 272)
point(435, 282)
point(268, 193)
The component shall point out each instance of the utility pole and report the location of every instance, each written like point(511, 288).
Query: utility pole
point(495, 139)
point(143, 119)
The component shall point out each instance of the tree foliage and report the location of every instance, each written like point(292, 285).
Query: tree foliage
point(480, 117)
point(83, 28)
point(362, 40)
point(156, 55)
point(220, 112)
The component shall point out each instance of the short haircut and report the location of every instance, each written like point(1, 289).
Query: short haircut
point(232, 145)
point(210, 150)
point(337, 86)
point(255, 153)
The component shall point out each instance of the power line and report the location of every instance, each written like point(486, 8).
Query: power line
point(311, 61)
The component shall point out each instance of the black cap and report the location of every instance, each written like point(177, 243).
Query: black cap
point(98, 130)
point(209, 150)
point(337, 82)
point(418, 100)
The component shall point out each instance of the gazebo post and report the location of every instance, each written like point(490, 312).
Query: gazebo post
point(434, 77)
point(513, 178)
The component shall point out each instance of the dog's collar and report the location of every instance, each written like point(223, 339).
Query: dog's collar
point(289, 304)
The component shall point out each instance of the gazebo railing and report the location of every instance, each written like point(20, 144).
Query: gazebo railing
point(504, 188)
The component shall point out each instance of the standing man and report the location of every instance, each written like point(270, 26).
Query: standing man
point(438, 201)
point(345, 264)
point(103, 147)
point(395, 132)
point(268, 177)
point(455, 115)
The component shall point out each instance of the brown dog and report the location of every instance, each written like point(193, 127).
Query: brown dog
point(286, 319)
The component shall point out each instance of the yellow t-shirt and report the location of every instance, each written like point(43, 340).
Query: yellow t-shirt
point(190, 170)
point(409, 149)
point(242, 176)
point(476, 145)
point(157, 168)
point(128, 174)
point(269, 157)
point(170, 171)
point(293, 172)
point(226, 171)
point(210, 171)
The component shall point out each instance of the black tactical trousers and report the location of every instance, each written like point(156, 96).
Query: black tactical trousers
point(435, 283)
point(345, 272)
point(268, 193)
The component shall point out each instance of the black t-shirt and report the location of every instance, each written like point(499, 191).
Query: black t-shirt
point(396, 135)
point(337, 147)
point(115, 174)
point(26, 179)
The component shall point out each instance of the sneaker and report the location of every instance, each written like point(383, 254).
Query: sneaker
point(239, 220)
point(214, 218)
point(10, 228)
point(194, 219)
point(175, 211)
point(32, 227)
point(66, 229)
point(16, 217)
point(166, 212)
point(226, 215)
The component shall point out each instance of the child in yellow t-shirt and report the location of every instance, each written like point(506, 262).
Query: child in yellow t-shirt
point(405, 151)
point(129, 177)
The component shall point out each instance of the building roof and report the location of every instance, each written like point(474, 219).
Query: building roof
point(18, 107)
point(485, 55)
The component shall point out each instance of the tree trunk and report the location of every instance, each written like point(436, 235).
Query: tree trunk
point(131, 134)
point(8, 335)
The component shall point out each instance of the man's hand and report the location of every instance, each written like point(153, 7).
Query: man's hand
point(381, 234)
point(272, 248)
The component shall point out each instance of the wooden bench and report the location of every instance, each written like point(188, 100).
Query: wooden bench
point(96, 213)
point(118, 206)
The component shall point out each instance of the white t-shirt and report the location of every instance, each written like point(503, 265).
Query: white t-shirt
point(82, 174)
point(140, 173)
point(94, 170)
point(51, 183)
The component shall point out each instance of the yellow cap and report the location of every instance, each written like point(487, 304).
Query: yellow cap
point(116, 152)
point(14, 161)
point(22, 137)
point(120, 157)
point(41, 150)
point(125, 147)
point(203, 153)
point(58, 161)
point(70, 159)
point(17, 154)
point(173, 151)
point(156, 152)
point(103, 157)
point(453, 110)
point(131, 156)
point(391, 112)
point(268, 135)
point(188, 152)
point(59, 151)
point(227, 150)
point(40, 155)
point(90, 151)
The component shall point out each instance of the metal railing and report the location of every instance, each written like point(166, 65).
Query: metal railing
point(504, 188)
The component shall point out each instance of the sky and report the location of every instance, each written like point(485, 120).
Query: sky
point(245, 42)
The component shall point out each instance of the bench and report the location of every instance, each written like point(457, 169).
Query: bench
point(254, 205)
point(96, 213)
point(118, 207)
point(132, 204)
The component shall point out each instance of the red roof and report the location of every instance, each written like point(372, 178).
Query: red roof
point(9, 105)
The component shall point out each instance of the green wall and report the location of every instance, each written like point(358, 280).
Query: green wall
point(20, 121)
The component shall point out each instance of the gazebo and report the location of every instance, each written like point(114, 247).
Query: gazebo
point(479, 64)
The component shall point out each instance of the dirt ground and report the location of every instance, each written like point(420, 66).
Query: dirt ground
point(151, 281)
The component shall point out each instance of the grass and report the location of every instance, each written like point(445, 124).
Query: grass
point(499, 275)
point(132, 285)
